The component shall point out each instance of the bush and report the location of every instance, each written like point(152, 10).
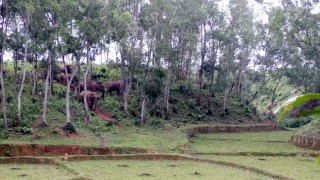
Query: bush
point(3, 135)
point(24, 130)
point(69, 128)
point(157, 123)
point(295, 123)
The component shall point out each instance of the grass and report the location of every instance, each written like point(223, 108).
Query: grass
point(269, 142)
point(126, 169)
point(293, 167)
point(28, 171)
point(163, 140)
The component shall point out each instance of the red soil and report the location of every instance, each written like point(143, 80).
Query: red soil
point(104, 116)
point(13, 150)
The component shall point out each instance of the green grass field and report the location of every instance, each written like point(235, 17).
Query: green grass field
point(163, 140)
point(117, 170)
point(168, 140)
point(260, 142)
point(293, 167)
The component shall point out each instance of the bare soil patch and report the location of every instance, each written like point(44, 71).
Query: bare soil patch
point(12, 150)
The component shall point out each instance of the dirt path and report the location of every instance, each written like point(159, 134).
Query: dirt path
point(103, 115)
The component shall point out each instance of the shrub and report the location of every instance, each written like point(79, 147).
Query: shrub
point(69, 128)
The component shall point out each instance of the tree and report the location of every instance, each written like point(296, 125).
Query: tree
point(26, 9)
point(3, 34)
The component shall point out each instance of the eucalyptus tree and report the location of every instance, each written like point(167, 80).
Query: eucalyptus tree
point(3, 35)
point(124, 34)
point(25, 10)
point(296, 26)
point(67, 45)
point(218, 27)
point(89, 26)
point(237, 49)
point(44, 31)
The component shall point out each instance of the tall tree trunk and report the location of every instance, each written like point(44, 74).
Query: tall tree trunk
point(124, 81)
point(51, 75)
point(15, 77)
point(225, 98)
point(45, 99)
point(19, 96)
point(35, 76)
point(85, 74)
point(203, 54)
point(211, 93)
point(69, 82)
point(166, 95)
point(146, 75)
point(2, 84)
point(143, 108)
point(3, 93)
point(189, 71)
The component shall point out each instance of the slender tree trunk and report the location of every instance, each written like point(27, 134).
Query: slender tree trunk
point(15, 78)
point(69, 82)
point(274, 92)
point(2, 85)
point(166, 94)
point(225, 98)
point(19, 96)
point(45, 99)
point(143, 108)
point(85, 74)
point(51, 75)
point(35, 76)
point(189, 73)
point(3, 93)
point(146, 75)
point(211, 93)
point(123, 88)
point(203, 54)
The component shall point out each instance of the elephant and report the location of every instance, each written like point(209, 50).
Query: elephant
point(62, 79)
point(92, 99)
point(114, 86)
point(93, 86)
point(69, 69)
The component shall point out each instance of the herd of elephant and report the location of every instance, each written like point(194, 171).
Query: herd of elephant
point(93, 87)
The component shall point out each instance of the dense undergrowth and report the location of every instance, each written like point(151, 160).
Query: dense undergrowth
point(183, 108)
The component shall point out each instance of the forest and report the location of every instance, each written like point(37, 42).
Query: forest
point(96, 66)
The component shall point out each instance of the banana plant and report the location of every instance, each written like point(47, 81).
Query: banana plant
point(299, 106)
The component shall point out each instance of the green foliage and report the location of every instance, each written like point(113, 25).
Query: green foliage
point(295, 123)
point(300, 101)
point(157, 123)
point(24, 130)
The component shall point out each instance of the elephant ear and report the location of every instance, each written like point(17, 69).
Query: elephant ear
point(300, 106)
